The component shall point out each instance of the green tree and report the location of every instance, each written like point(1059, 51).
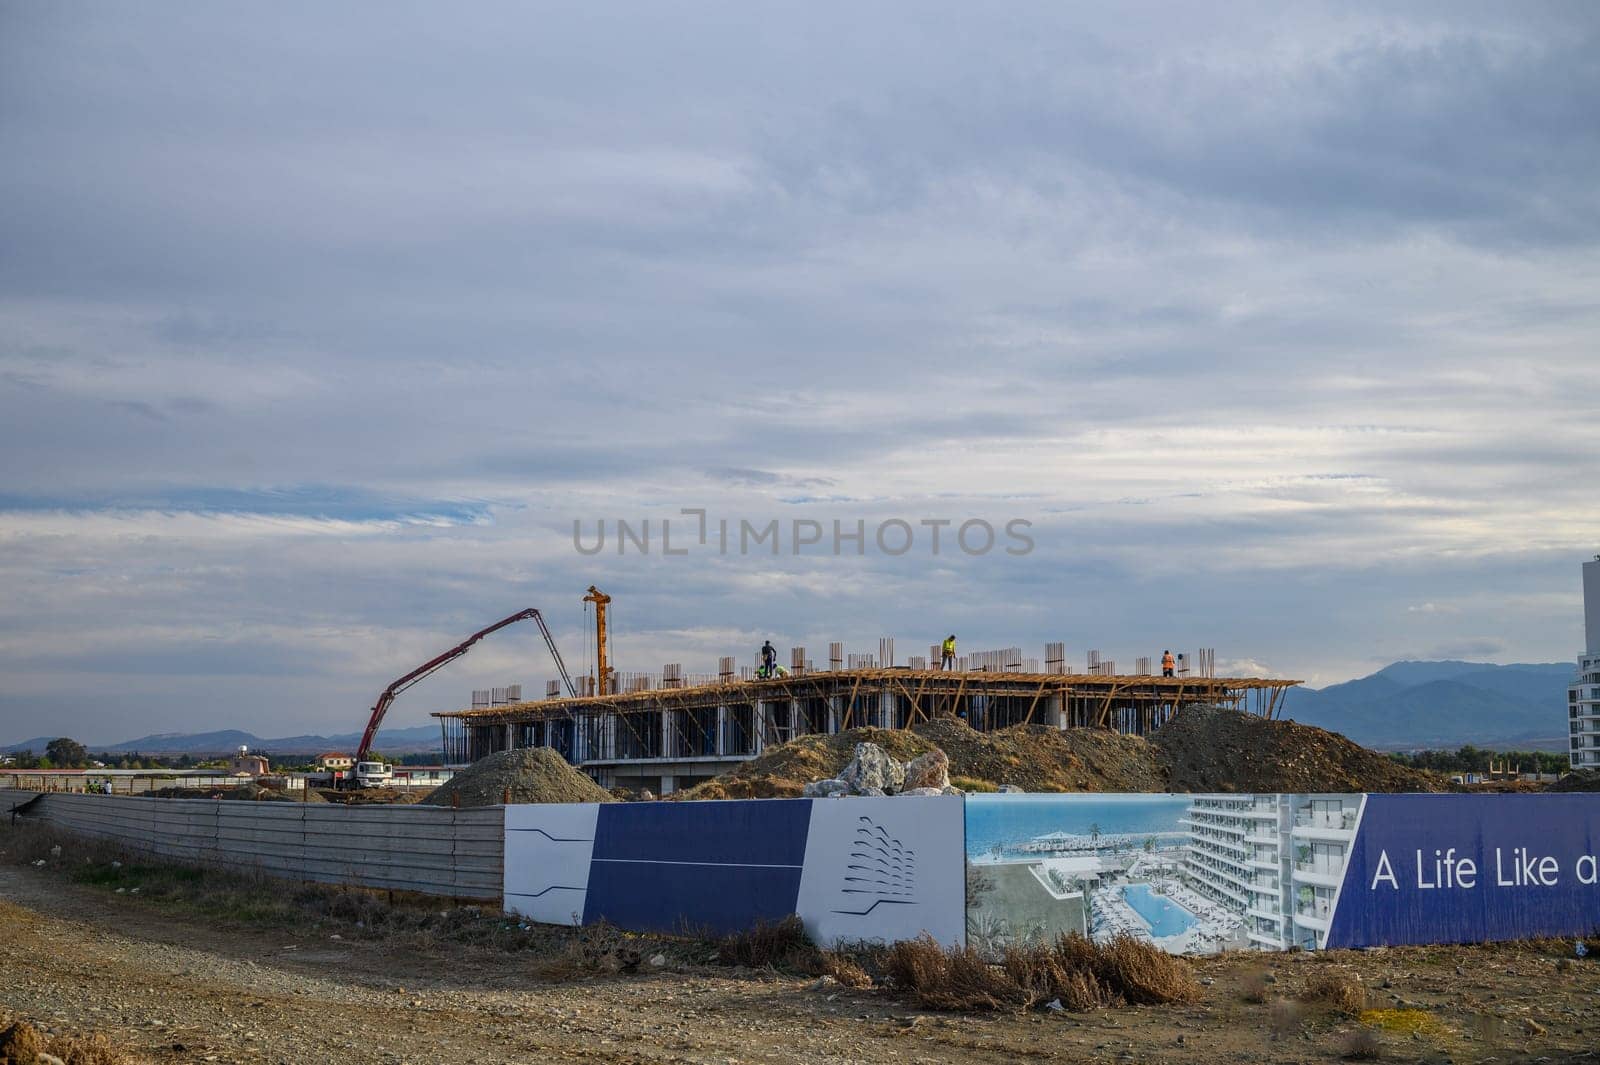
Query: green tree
point(65, 753)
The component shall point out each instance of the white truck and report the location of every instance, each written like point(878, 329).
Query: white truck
point(373, 775)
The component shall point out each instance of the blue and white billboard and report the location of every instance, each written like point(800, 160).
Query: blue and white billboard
point(853, 869)
point(1470, 868)
point(1191, 874)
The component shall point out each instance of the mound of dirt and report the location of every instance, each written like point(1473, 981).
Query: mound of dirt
point(1578, 780)
point(1212, 749)
point(1032, 757)
point(780, 772)
point(1201, 749)
point(530, 774)
point(245, 792)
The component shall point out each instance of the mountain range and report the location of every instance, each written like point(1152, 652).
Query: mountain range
point(1406, 705)
point(1411, 705)
point(417, 740)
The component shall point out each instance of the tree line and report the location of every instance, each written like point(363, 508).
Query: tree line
point(1470, 759)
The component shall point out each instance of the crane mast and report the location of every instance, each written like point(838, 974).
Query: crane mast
point(602, 668)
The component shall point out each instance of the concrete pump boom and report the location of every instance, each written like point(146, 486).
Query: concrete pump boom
point(381, 707)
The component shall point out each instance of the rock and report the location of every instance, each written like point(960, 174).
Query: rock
point(930, 770)
point(922, 791)
point(1007, 789)
point(646, 795)
point(658, 961)
point(824, 983)
point(47, 1059)
point(1055, 1006)
point(821, 789)
point(872, 792)
point(949, 790)
point(872, 767)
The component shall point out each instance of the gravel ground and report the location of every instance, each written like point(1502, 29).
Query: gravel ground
point(172, 988)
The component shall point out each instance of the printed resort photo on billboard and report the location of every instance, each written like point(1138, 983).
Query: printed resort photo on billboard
point(1192, 874)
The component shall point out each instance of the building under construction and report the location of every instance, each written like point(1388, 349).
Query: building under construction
point(670, 730)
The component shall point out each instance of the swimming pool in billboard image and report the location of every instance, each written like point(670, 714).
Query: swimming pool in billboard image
point(1192, 874)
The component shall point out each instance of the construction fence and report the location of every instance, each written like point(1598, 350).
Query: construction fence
point(427, 849)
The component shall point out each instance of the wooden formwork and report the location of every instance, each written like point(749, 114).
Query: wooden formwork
point(745, 712)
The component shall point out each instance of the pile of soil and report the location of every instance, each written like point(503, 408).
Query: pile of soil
point(780, 772)
point(1032, 757)
point(531, 774)
point(245, 792)
point(1201, 749)
point(368, 796)
point(1212, 749)
point(1578, 780)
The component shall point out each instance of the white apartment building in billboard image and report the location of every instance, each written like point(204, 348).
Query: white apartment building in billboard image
point(1583, 696)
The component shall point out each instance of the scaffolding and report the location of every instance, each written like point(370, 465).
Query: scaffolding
point(732, 716)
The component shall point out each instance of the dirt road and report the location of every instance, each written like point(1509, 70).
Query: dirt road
point(173, 988)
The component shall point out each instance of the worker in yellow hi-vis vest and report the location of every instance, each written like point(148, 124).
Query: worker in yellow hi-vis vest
point(947, 653)
point(1168, 664)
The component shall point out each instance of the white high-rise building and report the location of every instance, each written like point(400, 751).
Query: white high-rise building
point(1583, 697)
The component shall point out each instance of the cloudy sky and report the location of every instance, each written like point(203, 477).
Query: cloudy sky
point(321, 325)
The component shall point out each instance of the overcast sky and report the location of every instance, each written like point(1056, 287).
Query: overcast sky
point(321, 324)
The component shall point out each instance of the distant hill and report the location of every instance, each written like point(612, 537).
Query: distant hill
point(1445, 705)
point(417, 740)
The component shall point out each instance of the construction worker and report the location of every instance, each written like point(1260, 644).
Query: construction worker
point(947, 653)
point(769, 660)
point(1168, 663)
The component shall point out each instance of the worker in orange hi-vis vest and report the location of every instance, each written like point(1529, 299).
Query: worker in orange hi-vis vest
point(1168, 663)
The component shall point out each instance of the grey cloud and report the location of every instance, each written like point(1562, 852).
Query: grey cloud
point(1312, 287)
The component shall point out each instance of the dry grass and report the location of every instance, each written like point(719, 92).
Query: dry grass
point(1338, 989)
point(22, 1044)
point(1079, 974)
point(844, 969)
point(784, 945)
point(952, 978)
point(1360, 1044)
point(1145, 974)
point(1255, 986)
point(1048, 973)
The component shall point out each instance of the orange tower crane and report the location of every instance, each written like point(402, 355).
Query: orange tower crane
point(600, 601)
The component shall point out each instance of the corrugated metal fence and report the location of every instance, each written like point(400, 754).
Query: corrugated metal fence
point(429, 849)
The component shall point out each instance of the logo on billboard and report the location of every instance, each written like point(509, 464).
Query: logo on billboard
point(881, 870)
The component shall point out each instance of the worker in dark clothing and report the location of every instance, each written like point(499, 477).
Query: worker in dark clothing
point(769, 660)
point(1167, 664)
point(947, 653)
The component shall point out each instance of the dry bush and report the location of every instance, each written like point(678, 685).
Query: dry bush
point(784, 945)
point(1360, 1044)
point(20, 1044)
point(955, 978)
point(1058, 972)
point(843, 968)
point(1145, 974)
point(1082, 975)
point(593, 949)
point(1254, 987)
point(23, 1044)
point(1338, 989)
point(1286, 1017)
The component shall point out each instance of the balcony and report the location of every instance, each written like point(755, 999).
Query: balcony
point(1313, 914)
point(1322, 874)
point(1332, 826)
